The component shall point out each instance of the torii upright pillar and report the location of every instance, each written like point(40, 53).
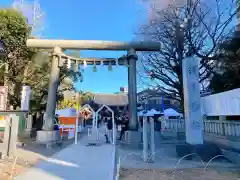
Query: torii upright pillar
point(47, 134)
point(132, 89)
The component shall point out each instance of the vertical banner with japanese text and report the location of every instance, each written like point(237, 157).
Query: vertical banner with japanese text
point(3, 104)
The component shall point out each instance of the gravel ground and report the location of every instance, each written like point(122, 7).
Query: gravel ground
point(179, 174)
point(27, 156)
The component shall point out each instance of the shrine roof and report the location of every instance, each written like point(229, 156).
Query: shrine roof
point(111, 99)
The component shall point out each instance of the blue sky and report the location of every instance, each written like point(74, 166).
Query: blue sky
point(94, 20)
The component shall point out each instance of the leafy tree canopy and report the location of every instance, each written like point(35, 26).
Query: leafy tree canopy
point(25, 66)
point(15, 55)
point(227, 76)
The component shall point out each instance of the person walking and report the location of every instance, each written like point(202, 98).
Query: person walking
point(56, 125)
point(124, 127)
point(119, 124)
point(99, 121)
point(109, 129)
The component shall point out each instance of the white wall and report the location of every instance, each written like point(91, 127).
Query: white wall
point(222, 104)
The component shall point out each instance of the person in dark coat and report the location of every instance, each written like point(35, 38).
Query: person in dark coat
point(56, 124)
point(99, 122)
point(124, 128)
point(109, 128)
point(40, 120)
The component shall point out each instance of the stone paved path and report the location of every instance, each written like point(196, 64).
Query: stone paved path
point(75, 162)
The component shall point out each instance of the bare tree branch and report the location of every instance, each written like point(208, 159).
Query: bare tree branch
point(207, 25)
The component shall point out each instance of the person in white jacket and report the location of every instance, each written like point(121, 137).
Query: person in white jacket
point(162, 119)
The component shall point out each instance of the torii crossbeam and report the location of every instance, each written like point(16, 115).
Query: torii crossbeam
point(93, 45)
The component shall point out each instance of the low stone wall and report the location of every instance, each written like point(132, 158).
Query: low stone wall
point(223, 141)
point(230, 147)
point(232, 156)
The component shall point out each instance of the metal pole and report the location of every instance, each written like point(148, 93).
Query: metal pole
point(145, 139)
point(132, 89)
point(77, 116)
point(152, 141)
point(52, 92)
point(113, 128)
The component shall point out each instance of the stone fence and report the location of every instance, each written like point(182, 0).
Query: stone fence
point(222, 128)
point(215, 127)
point(8, 140)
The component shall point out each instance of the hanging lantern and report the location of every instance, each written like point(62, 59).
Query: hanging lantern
point(84, 64)
point(94, 67)
point(69, 63)
point(110, 66)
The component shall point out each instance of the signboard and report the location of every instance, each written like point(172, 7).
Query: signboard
point(25, 98)
point(192, 101)
point(3, 98)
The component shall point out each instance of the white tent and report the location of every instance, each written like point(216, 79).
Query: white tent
point(154, 111)
point(171, 112)
point(145, 113)
point(67, 112)
point(140, 113)
point(148, 113)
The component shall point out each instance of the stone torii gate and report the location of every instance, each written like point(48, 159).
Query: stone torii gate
point(59, 46)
